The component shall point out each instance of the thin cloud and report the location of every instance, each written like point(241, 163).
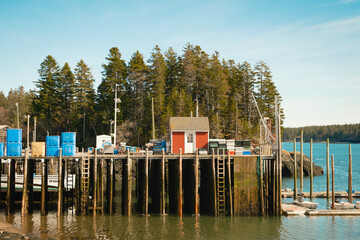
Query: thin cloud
point(347, 1)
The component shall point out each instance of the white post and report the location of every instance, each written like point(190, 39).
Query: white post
point(117, 100)
point(17, 114)
point(28, 131)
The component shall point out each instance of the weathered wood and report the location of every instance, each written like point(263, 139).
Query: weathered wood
point(24, 202)
point(196, 185)
point(311, 169)
point(350, 176)
point(327, 169)
point(102, 185)
point(95, 182)
point(10, 198)
point(61, 185)
point(162, 184)
point(179, 186)
point(332, 182)
point(301, 161)
point(44, 189)
point(109, 186)
point(143, 187)
point(77, 188)
point(246, 191)
point(126, 183)
point(229, 202)
point(295, 170)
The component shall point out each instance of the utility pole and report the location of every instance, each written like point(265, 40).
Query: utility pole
point(17, 114)
point(34, 132)
point(153, 118)
point(28, 132)
point(117, 100)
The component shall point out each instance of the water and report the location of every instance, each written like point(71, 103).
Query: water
point(205, 227)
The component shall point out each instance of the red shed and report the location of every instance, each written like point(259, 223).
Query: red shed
point(189, 134)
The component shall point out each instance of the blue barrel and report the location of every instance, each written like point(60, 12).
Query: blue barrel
point(1, 149)
point(68, 137)
point(246, 153)
point(13, 135)
point(13, 149)
point(68, 149)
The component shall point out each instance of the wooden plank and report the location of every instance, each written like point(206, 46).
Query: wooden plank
point(95, 175)
point(162, 184)
point(24, 202)
point(61, 185)
point(44, 189)
point(11, 187)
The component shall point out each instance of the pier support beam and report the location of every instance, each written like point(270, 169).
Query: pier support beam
point(109, 185)
point(126, 186)
point(10, 198)
point(44, 186)
point(143, 180)
point(208, 187)
point(228, 187)
point(25, 198)
point(95, 181)
point(175, 186)
point(61, 174)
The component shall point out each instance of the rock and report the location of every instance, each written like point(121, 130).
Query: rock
point(288, 165)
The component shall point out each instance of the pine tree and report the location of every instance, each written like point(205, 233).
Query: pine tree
point(115, 72)
point(84, 95)
point(46, 99)
point(157, 76)
point(66, 91)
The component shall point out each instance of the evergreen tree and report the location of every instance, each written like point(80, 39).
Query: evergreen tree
point(157, 76)
point(84, 96)
point(115, 72)
point(46, 99)
point(66, 90)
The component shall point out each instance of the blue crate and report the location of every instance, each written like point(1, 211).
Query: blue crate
point(13, 149)
point(246, 153)
point(163, 142)
point(13, 135)
point(52, 151)
point(68, 137)
point(52, 141)
point(68, 149)
point(1, 149)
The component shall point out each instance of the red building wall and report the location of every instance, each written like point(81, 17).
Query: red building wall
point(178, 141)
point(202, 139)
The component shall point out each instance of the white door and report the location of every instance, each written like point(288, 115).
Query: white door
point(189, 142)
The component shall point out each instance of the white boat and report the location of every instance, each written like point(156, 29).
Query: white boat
point(344, 205)
point(306, 204)
point(357, 204)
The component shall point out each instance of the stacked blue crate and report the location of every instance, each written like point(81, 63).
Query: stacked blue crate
point(159, 146)
point(52, 145)
point(13, 142)
point(68, 143)
point(1, 149)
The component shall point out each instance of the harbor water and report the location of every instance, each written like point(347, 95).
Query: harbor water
point(118, 226)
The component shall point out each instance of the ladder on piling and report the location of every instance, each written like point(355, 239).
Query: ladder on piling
point(85, 165)
point(220, 185)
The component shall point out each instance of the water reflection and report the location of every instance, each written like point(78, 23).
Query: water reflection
point(187, 227)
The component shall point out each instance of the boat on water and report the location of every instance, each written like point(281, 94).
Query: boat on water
point(344, 205)
point(307, 204)
point(357, 204)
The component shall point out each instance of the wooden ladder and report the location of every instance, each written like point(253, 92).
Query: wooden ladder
point(85, 165)
point(220, 184)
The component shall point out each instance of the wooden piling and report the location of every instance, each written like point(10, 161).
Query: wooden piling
point(44, 188)
point(25, 199)
point(109, 186)
point(162, 184)
point(311, 169)
point(332, 183)
point(196, 184)
point(302, 161)
point(126, 183)
point(60, 185)
point(102, 185)
point(212, 199)
point(95, 182)
point(10, 198)
point(295, 170)
point(327, 169)
point(143, 185)
point(179, 185)
point(350, 195)
point(77, 188)
point(229, 204)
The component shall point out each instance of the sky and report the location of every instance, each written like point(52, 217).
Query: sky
point(312, 47)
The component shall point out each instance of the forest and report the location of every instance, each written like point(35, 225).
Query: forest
point(349, 133)
point(65, 99)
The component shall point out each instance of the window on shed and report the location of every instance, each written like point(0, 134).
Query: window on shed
point(190, 137)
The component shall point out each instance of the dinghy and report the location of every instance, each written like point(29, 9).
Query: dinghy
point(306, 204)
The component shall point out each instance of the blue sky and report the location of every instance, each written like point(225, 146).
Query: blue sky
point(312, 47)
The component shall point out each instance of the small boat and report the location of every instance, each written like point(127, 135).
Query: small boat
point(344, 205)
point(357, 204)
point(306, 204)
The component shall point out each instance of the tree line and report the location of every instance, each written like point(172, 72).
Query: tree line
point(336, 133)
point(65, 99)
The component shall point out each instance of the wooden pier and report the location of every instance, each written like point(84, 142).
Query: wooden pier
point(216, 184)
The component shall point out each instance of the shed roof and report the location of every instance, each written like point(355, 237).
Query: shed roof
point(189, 123)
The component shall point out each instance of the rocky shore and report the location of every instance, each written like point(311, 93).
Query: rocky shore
point(288, 165)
